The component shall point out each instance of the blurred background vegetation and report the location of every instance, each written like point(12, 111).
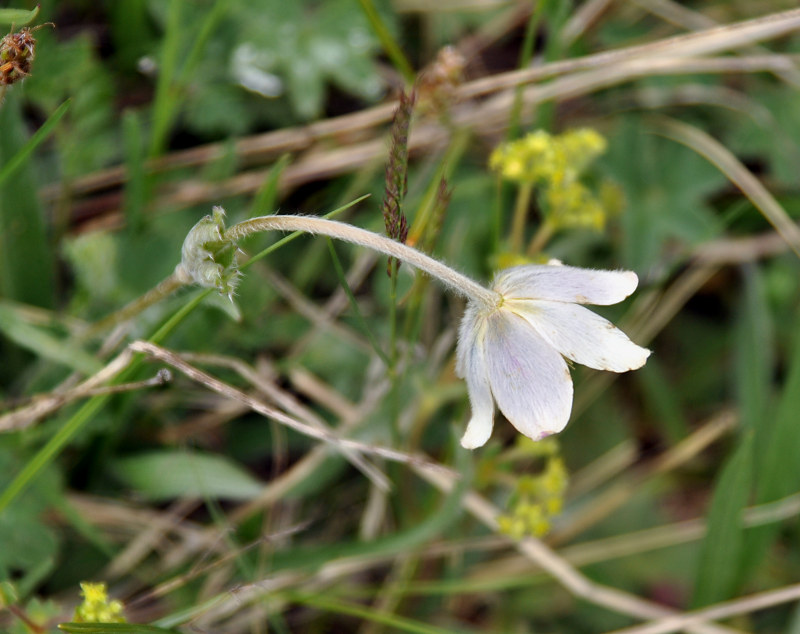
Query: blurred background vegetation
point(202, 515)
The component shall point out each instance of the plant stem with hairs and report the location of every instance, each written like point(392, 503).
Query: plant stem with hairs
point(455, 281)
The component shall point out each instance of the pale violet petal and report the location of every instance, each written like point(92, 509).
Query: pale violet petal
point(581, 335)
point(529, 379)
point(471, 365)
point(471, 328)
point(565, 284)
point(479, 428)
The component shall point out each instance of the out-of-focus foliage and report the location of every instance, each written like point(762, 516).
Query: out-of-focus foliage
point(186, 501)
point(265, 51)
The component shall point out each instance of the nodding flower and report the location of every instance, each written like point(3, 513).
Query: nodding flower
point(513, 337)
point(513, 353)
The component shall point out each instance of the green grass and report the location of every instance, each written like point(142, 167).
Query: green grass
point(199, 513)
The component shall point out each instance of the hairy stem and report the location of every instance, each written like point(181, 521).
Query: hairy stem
point(454, 280)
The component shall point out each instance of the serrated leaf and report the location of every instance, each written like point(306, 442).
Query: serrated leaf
point(163, 475)
point(722, 548)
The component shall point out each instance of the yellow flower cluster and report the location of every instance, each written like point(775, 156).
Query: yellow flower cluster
point(536, 499)
point(554, 164)
point(96, 606)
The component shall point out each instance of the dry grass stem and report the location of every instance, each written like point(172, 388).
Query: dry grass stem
point(290, 404)
point(46, 404)
point(214, 384)
point(564, 573)
point(738, 174)
point(604, 504)
point(746, 605)
point(614, 67)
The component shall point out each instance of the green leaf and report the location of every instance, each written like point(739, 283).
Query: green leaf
point(754, 359)
point(29, 544)
point(163, 475)
point(16, 327)
point(267, 196)
point(26, 259)
point(18, 17)
point(722, 548)
point(781, 467)
point(662, 204)
point(779, 470)
point(38, 137)
point(136, 190)
point(87, 138)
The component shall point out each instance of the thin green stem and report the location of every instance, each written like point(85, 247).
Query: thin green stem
point(520, 217)
point(525, 56)
point(165, 97)
point(394, 402)
point(389, 44)
point(396, 622)
point(163, 290)
point(337, 265)
point(540, 238)
point(36, 139)
point(395, 265)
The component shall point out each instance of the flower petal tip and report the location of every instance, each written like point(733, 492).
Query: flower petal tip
point(477, 434)
point(645, 354)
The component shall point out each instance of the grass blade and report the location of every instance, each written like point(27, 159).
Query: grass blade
point(38, 137)
point(722, 548)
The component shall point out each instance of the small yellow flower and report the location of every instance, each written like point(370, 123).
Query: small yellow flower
point(96, 606)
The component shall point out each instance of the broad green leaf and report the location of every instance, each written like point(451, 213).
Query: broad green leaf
point(722, 547)
point(18, 17)
point(15, 327)
point(162, 475)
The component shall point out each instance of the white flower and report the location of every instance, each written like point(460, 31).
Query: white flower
point(513, 352)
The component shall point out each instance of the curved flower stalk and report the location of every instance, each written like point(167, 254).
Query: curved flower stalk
point(513, 337)
point(513, 354)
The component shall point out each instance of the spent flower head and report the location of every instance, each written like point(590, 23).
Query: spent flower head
point(512, 353)
point(208, 258)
